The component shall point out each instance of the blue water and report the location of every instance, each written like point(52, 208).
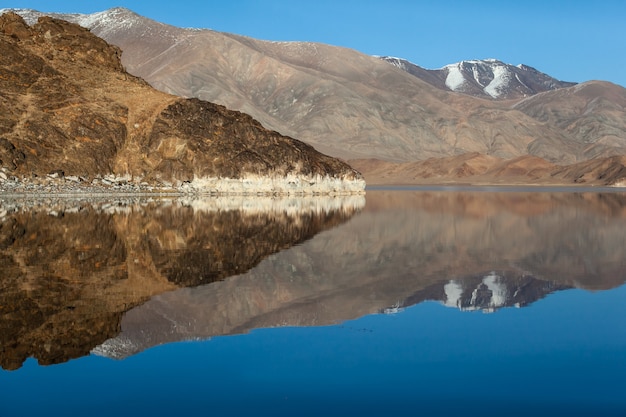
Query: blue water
point(563, 355)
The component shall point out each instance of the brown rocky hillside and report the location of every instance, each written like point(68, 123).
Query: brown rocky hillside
point(479, 169)
point(69, 109)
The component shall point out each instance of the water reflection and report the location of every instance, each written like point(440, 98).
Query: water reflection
point(115, 278)
point(69, 269)
point(471, 251)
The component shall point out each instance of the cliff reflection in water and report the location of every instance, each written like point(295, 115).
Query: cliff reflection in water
point(70, 269)
point(472, 251)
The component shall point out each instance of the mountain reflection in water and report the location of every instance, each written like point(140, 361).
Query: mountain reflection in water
point(69, 269)
point(117, 278)
point(467, 250)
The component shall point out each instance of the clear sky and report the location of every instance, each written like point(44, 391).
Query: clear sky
point(571, 40)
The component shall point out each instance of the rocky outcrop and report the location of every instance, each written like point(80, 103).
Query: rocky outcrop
point(68, 109)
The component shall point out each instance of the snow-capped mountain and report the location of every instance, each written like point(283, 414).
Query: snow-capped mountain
point(487, 78)
point(115, 17)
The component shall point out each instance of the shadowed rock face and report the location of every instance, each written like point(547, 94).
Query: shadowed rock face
point(69, 270)
point(68, 107)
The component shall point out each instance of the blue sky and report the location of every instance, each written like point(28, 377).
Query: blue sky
point(570, 40)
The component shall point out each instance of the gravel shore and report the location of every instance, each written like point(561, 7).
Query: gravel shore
point(59, 185)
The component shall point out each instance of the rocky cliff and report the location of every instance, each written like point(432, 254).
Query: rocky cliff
point(69, 110)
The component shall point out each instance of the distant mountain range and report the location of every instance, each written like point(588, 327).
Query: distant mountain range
point(354, 106)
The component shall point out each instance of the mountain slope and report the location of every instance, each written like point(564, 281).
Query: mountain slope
point(591, 114)
point(342, 102)
point(69, 109)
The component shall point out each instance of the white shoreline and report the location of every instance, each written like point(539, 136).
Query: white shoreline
point(115, 204)
point(111, 185)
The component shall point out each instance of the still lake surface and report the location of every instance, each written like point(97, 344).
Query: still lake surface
point(427, 301)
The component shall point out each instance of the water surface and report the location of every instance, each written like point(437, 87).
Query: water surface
point(428, 302)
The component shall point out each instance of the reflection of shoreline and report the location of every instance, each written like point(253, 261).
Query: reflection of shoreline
point(250, 205)
point(403, 247)
point(71, 268)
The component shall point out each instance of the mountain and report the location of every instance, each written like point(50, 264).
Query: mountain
point(354, 106)
point(202, 313)
point(357, 107)
point(487, 292)
point(487, 78)
point(70, 112)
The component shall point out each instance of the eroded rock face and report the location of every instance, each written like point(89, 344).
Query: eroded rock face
point(228, 144)
point(68, 107)
point(69, 271)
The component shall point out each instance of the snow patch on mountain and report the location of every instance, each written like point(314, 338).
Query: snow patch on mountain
point(490, 295)
point(395, 61)
point(101, 23)
point(501, 79)
point(455, 79)
point(453, 291)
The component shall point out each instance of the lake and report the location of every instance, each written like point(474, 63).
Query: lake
point(433, 301)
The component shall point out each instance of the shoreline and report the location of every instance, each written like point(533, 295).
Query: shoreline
point(461, 187)
point(57, 186)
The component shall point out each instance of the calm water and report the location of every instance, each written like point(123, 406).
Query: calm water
point(428, 302)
